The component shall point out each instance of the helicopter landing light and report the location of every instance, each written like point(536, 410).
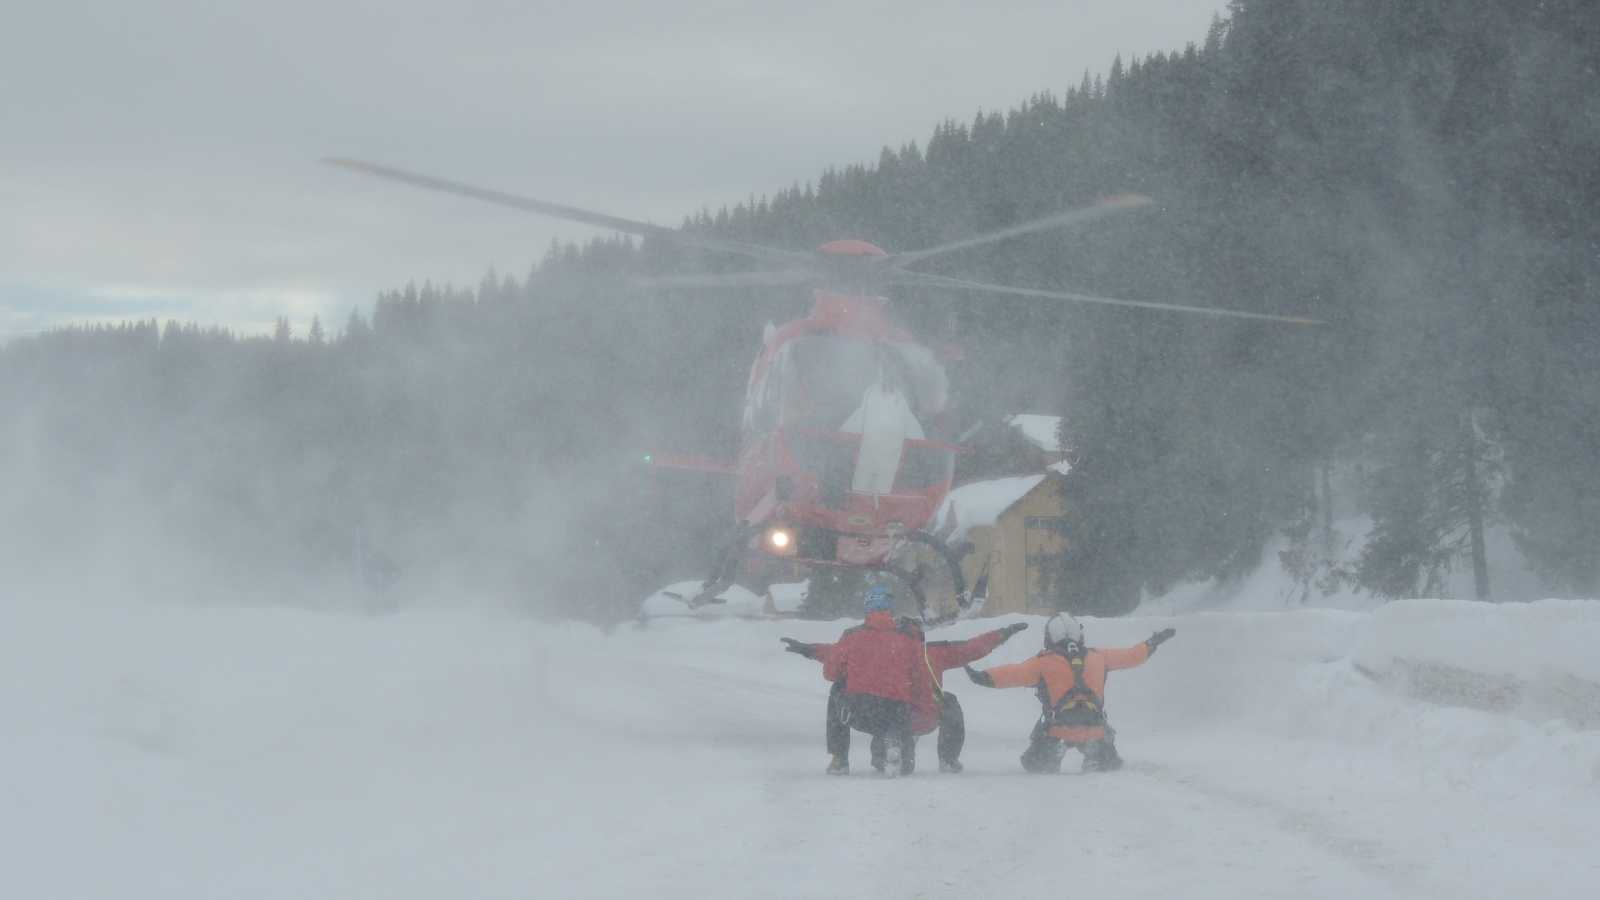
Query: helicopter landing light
point(781, 541)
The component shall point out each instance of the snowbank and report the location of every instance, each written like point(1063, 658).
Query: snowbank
point(1536, 660)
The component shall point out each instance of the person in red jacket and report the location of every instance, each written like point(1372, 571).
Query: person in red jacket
point(876, 664)
point(1071, 682)
point(931, 706)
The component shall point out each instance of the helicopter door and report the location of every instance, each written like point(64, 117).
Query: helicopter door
point(885, 421)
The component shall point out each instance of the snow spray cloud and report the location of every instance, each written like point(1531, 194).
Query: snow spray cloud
point(458, 448)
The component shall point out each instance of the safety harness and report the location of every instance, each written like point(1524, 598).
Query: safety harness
point(1079, 707)
point(910, 627)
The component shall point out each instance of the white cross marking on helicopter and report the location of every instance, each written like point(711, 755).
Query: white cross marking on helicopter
point(884, 420)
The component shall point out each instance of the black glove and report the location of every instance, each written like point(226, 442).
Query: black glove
point(1156, 640)
point(1009, 630)
point(981, 679)
point(809, 651)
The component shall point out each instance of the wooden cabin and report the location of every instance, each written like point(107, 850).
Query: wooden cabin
point(1017, 529)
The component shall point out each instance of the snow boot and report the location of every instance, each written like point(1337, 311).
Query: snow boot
point(950, 766)
point(891, 761)
point(1043, 756)
point(1101, 756)
point(839, 765)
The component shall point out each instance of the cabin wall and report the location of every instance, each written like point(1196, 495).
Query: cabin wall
point(980, 558)
point(1023, 547)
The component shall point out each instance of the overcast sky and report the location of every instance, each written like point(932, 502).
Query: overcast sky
point(158, 158)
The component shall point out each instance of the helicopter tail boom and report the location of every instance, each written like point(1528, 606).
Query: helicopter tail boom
point(690, 464)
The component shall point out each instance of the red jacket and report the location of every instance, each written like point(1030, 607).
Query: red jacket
point(877, 657)
point(927, 676)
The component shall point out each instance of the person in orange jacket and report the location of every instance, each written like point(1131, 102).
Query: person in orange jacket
point(1071, 681)
point(931, 706)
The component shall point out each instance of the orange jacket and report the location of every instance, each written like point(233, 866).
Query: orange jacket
point(1051, 672)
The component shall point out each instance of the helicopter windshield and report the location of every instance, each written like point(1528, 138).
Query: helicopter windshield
point(826, 376)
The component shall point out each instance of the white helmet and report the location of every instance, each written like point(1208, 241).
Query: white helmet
point(1062, 629)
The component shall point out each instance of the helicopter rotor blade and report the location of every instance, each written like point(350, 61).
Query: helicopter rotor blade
point(921, 279)
point(776, 278)
point(1082, 215)
point(570, 213)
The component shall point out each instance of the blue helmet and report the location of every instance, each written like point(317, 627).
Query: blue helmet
point(878, 599)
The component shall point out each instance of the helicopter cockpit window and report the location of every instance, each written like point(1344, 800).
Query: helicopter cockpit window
point(930, 386)
point(827, 376)
point(922, 467)
point(763, 406)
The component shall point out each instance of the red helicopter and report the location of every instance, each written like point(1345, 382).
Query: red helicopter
point(840, 461)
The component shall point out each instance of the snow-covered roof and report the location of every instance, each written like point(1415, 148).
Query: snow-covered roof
point(983, 502)
point(1043, 432)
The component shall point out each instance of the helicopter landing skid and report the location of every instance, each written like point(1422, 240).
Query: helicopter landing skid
point(732, 553)
point(693, 602)
point(724, 570)
point(912, 582)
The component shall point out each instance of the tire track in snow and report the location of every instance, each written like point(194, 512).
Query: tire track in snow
point(1368, 855)
point(995, 831)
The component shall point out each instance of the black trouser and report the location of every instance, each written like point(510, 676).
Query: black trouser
point(880, 717)
point(1044, 752)
point(952, 728)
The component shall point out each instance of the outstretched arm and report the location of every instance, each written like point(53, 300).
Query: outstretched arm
point(1023, 674)
point(809, 651)
point(822, 653)
point(1125, 657)
point(1128, 657)
point(943, 655)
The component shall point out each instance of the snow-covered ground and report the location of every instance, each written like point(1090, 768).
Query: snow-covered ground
point(171, 752)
